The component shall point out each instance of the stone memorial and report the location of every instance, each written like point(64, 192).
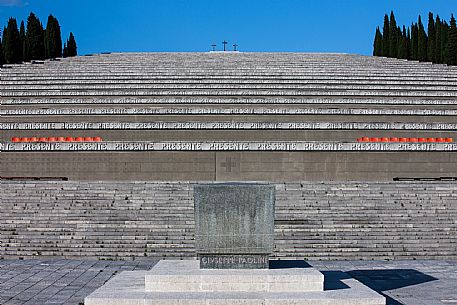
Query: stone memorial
point(234, 225)
point(292, 118)
point(234, 235)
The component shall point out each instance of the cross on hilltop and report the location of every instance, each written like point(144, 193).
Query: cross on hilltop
point(224, 43)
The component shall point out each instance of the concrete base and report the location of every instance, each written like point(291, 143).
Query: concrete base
point(129, 288)
point(186, 276)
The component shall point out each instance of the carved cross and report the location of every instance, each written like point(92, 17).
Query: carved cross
point(228, 164)
point(214, 47)
point(234, 47)
point(225, 44)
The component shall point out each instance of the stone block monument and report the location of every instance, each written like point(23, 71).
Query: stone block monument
point(234, 225)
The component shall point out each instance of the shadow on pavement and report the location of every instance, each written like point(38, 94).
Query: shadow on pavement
point(333, 280)
point(286, 264)
point(384, 280)
point(378, 280)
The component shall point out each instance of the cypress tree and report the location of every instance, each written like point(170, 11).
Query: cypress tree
point(393, 36)
point(385, 37)
point(1, 53)
point(414, 41)
point(451, 51)
point(35, 38)
point(377, 43)
point(421, 41)
point(3, 44)
point(53, 39)
point(12, 51)
point(402, 44)
point(65, 50)
point(23, 41)
point(444, 40)
point(72, 49)
point(408, 43)
point(438, 51)
point(46, 42)
point(434, 45)
point(431, 44)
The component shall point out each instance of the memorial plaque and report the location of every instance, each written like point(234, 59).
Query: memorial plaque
point(234, 225)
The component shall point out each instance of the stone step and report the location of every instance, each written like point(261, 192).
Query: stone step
point(222, 86)
point(186, 276)
point(224, 100)
point(110, 81)
point(229, 125)
point(305, 111)
point(364, 93)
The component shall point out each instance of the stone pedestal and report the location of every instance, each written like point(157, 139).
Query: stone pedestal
point(186, 276)
point(184, 283)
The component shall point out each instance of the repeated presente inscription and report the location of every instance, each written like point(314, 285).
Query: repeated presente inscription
point(241, 100)
point(233, 92)
point(229, 146)
point(225, 111)
point(229, 125)
point(63, 88)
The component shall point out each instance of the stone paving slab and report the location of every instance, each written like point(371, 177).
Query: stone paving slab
point(37, 282)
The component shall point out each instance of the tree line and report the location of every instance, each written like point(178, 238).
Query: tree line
point(438, 44)
point(34, 42)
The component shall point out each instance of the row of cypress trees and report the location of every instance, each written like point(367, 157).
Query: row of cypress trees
point(34, 42)
point(438, 44)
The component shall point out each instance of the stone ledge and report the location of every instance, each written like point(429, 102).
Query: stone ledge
point(228, 125)
point(226, 111)
point(224, 86)
point(228, 100)
point(228, 146)
point(366, 93)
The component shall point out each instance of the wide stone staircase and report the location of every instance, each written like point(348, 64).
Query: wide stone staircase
point(98, 151)
point(228, 116)
point(140, 220)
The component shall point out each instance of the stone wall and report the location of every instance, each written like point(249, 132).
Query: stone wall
point(140, 220)
point(230, 166)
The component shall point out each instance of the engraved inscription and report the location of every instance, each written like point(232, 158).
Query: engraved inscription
point(348, 91)
point(199, 100)
point(230, 146)
point(230, 261)
point(229, 125)
point(224, 111)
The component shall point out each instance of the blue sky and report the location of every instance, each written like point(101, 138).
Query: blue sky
point(193, 25)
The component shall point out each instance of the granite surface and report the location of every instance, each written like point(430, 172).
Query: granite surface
point(236, 221)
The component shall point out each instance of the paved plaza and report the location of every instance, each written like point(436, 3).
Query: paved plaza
point(423, 282)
